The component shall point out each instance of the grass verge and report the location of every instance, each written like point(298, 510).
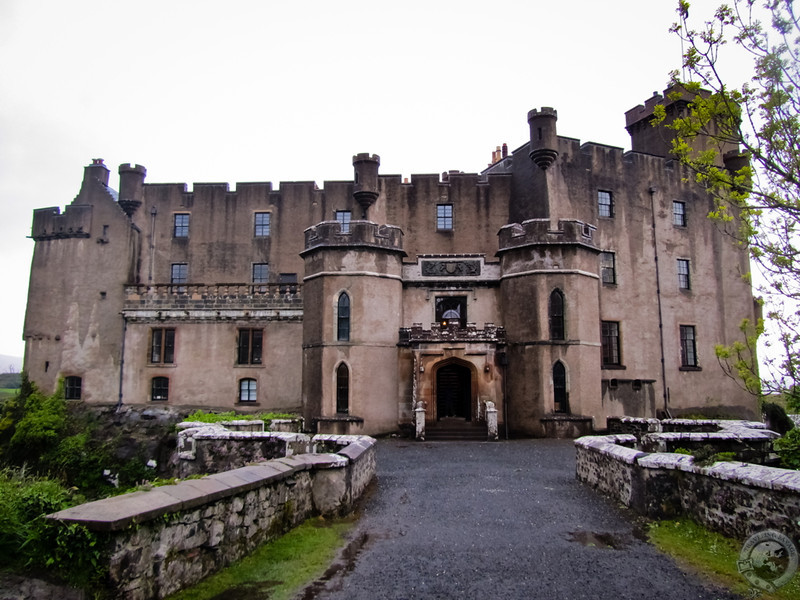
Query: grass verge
point(280, 568)
point(711, 555)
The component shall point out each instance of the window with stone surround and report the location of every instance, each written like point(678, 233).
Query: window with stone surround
point(688, 346)
point(556, 310)
point(605, 204)
point(249, 346)
point(159, 389)
point(679, 213)
point(180, 227)
point(343, 318)
point(343, 217)
point(248, 390)
point(684, 277)
point(444, 217)
point(610, 344)
point(608, 268)
point(261, 224)
point(72, 387)
point(342, 389)
point(162, 346)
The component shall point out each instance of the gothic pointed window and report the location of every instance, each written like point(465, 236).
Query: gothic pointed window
point(342, 389)
point(560, 404)
point(557, 331)
point(343, 318)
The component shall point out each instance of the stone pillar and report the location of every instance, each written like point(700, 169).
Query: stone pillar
point(419, 421)
point(491, 422)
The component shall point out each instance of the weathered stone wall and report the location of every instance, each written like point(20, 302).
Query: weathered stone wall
point(734, 498)
point(162, 540)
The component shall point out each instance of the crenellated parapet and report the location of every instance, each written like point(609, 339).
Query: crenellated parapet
point(451, 333)
point(51, 223)
point(329, 234)
point(537, 232)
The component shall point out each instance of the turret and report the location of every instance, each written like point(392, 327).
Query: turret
point(365, 190)
point(131, 182)
point(543, 136)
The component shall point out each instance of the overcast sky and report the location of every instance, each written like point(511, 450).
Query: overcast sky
point(256, 90)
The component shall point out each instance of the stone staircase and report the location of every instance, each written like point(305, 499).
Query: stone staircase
point(455, 429)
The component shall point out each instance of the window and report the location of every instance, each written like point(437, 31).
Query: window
point(444, 217)
point(605, 204)
point(162, 346)
point(560, 388)
point(72, 387)
point(342, 389)
point(451, 310)
point(608, 267)
point(688, 347)
point(250, 346)
point(556, 315)
point(159, 389)
point(288, 282)
point(179, 276)
point(181, 226)
point(610, 343)
point(343, 217)
point(343, 318)
point(679, 214)
point(248, 390)
point(262, 224)
point(261, 276)
point(684, 281)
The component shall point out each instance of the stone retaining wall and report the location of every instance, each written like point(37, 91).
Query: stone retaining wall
point(734, 498)
point(165, 539)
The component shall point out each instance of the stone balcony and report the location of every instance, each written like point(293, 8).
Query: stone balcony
point(451, 333)
point(216, 296)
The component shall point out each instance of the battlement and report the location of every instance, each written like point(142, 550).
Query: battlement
point(451, 333)
point(51, 223)
point(537, 232)
point(360, 233)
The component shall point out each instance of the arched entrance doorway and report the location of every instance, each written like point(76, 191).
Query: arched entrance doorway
point(453, 391)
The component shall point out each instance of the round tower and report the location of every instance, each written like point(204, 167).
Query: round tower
point(131, 184)
point(365, 188)
point(543, 136)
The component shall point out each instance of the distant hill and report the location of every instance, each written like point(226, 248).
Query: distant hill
point(10, 363)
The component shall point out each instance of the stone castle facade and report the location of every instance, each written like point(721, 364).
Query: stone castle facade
point(566, 283)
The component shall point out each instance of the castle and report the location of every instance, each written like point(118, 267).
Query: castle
point(565, 283)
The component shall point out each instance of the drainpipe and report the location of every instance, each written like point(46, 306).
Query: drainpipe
point(122, 360)
point(652, 190)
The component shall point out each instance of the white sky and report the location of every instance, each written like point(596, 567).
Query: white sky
point(261, 90)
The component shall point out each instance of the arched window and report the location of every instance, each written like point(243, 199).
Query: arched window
point(557, 315)
point(72, 387)
point(159, 389)
point(560, 401)
point(247, 390)
point(342, 389)
point(343, 318)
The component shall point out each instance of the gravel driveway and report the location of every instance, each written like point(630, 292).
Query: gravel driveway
point(502, 520)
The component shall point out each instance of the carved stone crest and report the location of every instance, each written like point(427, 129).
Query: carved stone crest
point(451, 268)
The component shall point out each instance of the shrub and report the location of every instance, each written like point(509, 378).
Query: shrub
point(788, 448)
point(775, 417)
point(201, 416)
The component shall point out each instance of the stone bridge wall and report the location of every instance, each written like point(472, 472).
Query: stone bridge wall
point(734, 498)
point(170, 537)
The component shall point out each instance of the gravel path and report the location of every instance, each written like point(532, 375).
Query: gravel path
point(497, 520)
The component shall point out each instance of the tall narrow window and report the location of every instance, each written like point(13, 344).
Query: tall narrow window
point(557, 315)
point(608, 268)
point(250, 346)
point(260, 277)
point(610, 343)
point(605, 204)
point(179, 276)
point(684, 279)
point(343, 318)
point(343, 217)
point(688, 347)
point(342, 389)
point(162, 345)
point(248, 390)
point(181, 225)
point(262, 224)
point(679, 214)
point(159, 389)
point(72, 387)
point(444, 217)
point(560, 404)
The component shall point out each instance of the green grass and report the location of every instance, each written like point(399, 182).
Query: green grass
point(202, 416)
point(8, 393)
point(711, 555)
point(279, 569)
